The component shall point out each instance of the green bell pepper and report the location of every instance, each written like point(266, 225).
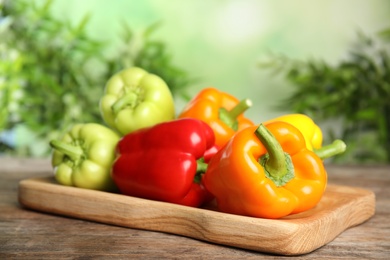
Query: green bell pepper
point(84, 157)
point(135, 99)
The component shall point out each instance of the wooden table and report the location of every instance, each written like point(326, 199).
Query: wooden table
point(26, 234)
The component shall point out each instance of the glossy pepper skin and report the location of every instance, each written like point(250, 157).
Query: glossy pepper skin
point(161, 162)
point(135, 99)
point(84, 156)
point(254, 177)
point(309, 129)
point(221, 111)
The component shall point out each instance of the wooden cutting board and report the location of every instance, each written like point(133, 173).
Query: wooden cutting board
point(340, 208)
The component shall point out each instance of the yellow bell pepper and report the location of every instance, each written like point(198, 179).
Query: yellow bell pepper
point(309, 129)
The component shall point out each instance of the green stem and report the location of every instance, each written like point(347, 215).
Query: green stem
point(240, 108)
point(128, 99)
point(230, 117)
point(330, 150)
point(277, 164)
point(201, 168)
point(75, 153)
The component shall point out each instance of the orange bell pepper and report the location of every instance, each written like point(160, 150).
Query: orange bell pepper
point(266, 172)
point(221, 111)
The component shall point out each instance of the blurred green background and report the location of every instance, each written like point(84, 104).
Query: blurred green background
point(57, 55)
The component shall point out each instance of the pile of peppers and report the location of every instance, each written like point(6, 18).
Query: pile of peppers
point(208, 153)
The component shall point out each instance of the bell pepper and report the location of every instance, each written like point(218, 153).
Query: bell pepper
point(310, 130)
point(84, 155)
point(222, 111)
point(312, 134)
point(267, 172)
point(165, 162)
point(134, 99)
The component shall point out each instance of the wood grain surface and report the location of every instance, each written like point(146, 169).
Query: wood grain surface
point(29, 234)
point(340, 208)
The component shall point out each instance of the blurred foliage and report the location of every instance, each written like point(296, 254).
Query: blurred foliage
point(152, 55)
point(353, 95)
point(52, 73)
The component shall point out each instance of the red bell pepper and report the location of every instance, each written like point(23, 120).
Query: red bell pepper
point(165, 162)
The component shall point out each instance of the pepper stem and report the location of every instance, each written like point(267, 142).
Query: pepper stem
point(277, 164)
point(128, 99)
point(73, 152)
point(229, 117)
point(240, 108)
point(330, 150)
point(201, 168)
